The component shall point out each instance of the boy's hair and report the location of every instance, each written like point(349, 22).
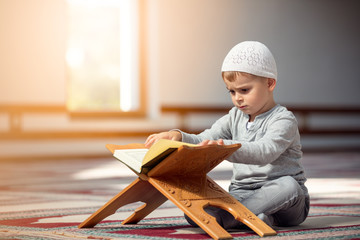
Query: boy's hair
point(250, 57)
point(232, 75)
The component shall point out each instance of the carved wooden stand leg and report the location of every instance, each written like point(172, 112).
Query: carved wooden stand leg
point(193, 195)
point(138, 190)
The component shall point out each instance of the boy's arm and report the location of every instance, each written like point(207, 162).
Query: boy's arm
point(221, 129)
point(170, 135)
point(280, 135)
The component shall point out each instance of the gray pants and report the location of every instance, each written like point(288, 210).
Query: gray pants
point(282, 200)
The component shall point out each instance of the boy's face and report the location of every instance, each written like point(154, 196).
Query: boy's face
point(251, 94)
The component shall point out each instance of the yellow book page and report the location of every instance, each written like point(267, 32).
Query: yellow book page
point(162, 146)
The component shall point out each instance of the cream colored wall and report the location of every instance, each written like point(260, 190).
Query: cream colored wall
point(32, 47)
point(315, 44)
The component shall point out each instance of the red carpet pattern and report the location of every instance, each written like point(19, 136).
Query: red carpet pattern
point(48, 199)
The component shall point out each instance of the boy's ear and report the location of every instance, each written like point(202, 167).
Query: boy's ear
point(271, 83)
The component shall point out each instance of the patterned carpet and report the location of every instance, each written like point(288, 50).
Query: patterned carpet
point(48, 199)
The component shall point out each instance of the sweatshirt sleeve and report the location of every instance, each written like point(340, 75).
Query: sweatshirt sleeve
point(270, 141)
point(278, 137)
point(221, 129)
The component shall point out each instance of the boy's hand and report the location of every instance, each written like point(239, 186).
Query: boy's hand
point(212, 142)
point(171, 135)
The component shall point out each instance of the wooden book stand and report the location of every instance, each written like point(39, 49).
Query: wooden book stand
point(182, 179)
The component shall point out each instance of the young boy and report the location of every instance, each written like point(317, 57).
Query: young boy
point(268, 177)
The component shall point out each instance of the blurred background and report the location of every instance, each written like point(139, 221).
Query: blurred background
point(78, 74)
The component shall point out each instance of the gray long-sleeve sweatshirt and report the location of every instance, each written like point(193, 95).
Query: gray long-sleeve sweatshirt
point(270, 147)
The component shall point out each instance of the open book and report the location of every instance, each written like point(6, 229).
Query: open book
point(142, 159)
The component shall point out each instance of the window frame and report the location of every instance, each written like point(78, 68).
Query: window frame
point(141, 112)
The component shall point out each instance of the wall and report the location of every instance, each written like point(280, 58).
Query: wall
point(32, 65)
point(315, 44)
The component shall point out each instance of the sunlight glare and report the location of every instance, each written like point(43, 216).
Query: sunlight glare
point(103, 53)
point(128, 55)
point(75, 57)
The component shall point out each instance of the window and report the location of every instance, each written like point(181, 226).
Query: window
point(103, 57)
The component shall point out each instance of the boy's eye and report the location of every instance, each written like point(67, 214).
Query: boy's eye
point(232, 92)
point(244, 90)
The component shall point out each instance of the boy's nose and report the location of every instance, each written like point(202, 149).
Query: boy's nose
point(238, 97)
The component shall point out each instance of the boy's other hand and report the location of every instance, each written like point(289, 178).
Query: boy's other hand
point(212, 142)
point(171, 135)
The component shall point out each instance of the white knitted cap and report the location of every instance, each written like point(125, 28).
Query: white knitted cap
point(251, 57)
